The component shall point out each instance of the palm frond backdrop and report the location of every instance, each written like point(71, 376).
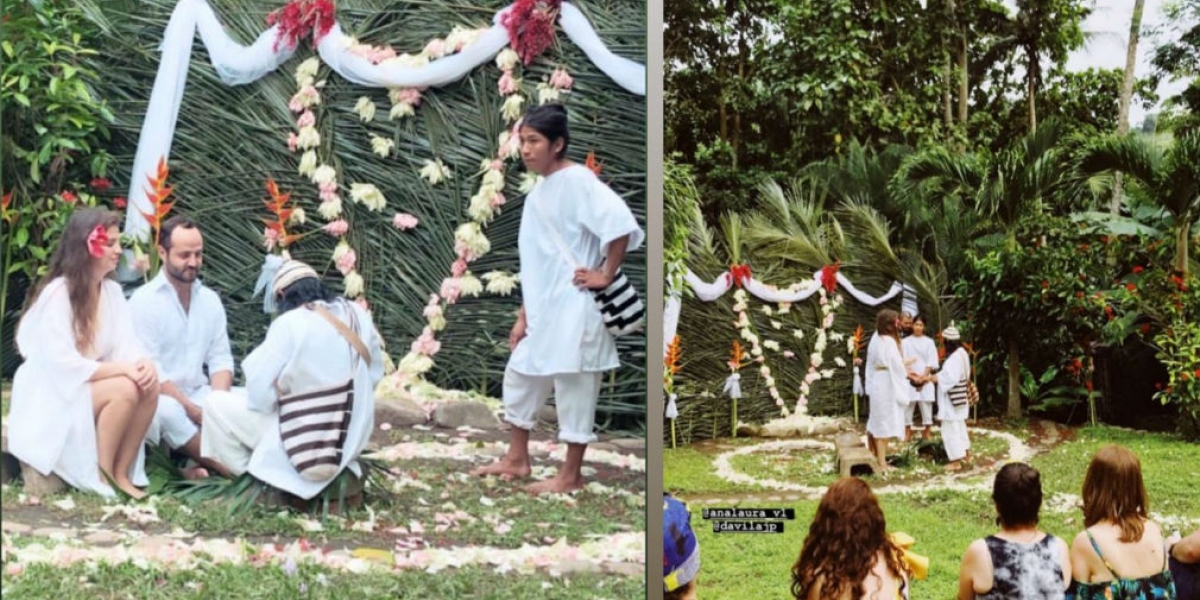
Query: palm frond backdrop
point(229, 140)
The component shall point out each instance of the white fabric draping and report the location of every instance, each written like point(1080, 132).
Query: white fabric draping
point(238, 65)
point(733, 387)
point(708, 292)
point(671, 321)
point(672, 408)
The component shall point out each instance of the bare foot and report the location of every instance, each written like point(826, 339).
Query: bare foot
point(555, 485)
point(504, 468)
point(130, 489)
point(195, 473)
point(954, 466)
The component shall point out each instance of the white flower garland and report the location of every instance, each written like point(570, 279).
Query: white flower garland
point(746, 332)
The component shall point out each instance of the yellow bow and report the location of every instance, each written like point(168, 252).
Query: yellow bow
point(918, 565)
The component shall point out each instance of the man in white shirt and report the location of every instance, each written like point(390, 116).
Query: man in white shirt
point(182, 324)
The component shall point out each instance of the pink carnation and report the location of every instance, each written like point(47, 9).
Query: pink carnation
point(404, 221)
point(329, 191)
point(789, 354)
point(379, 54)
point(336, 228)
point(434, 300)
point(458, 268)
point(426, 344)
point(498, 200)
point(828, 321)
point(346, 263)
point(432, 309)
point(306, 120)
point(450, 290)
point(270, 238)
point(497, 165)
point(295, 105)
point(410, 96)
point(561, 80)
point(436, 48)
point(293, 141)
point(508, 85)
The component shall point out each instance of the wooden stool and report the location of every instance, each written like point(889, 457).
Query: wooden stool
point(851, 452)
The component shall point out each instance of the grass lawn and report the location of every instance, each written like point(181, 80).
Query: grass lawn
point(435, 533)
point(754, 566)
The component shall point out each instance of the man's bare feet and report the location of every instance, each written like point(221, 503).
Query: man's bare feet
point(555, 485)
point(505, 468)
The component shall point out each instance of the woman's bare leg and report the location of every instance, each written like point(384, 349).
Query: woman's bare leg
point(134, 436)
point(114, 401)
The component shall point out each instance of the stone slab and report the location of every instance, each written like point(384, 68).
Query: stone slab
point(41, 485)
point(453, 415)
point(400, 412)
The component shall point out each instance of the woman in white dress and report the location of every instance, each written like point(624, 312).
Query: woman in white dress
point(955, 369)
point(86, 393)
point(887, 385)
point(920, 348)
point(571, 223)
point(303, 352)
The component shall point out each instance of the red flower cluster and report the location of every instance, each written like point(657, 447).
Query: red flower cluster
point(299, 17)
point(829, 276)
point(530, 25)
point(101, 184)
point(68, 196)
point(1138, 269)
point(740, 273)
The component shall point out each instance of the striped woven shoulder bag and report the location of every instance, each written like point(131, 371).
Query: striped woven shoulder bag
point(313, 423)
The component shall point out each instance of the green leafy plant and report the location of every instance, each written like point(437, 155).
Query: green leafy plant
point(1047, 390)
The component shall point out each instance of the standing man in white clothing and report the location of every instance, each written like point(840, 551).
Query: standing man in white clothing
point(574, 234)
point(182, 325)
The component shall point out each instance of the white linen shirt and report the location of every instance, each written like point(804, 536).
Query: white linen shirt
point(51, 425)
point(303, 352)
point(955, 369)
point(925, 351)
point(182, 343)
point(565, 332)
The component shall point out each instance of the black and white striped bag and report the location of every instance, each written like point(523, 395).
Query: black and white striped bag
point(313, 424)
point(620, 306)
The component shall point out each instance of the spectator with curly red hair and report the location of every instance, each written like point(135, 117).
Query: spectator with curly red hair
point(848, 554)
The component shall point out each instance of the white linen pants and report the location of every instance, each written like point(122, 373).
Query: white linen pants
point(231, 431)
point(926, 412)
point(955, 439)
point(171, 423)
point(575, 397)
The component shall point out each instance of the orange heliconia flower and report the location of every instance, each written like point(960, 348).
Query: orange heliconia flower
point(736, 362)
point(674, 351)
point(157, 194)
point(591, 163)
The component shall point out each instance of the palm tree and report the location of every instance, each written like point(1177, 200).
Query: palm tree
point(1027, 177)
point(1127, 92)
point(1170, 176)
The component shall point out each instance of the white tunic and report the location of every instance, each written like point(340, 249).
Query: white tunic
point(887, 386)
point(51, 425)
point(956, 368)
point(303, 352)
point(925, 352)
point(182, 342)
point(565, 332)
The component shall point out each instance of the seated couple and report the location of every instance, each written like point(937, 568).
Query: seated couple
point(102, 375)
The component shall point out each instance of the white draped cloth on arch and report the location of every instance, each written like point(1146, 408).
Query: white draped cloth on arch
point(236, 64)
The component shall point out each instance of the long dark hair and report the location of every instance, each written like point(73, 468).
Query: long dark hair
point(72, 261)
point(550, 120)
point(885, 324)
point(846, 535)
point(303, 291)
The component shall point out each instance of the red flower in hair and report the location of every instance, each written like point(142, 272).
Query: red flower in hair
point(97, 240)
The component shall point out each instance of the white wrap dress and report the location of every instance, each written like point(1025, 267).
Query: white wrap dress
point(51, 425)
point(955, 369)
point(887, 386)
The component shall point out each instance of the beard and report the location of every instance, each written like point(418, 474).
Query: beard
point(185, 274)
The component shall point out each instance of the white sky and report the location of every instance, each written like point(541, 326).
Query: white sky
point(1109, 26)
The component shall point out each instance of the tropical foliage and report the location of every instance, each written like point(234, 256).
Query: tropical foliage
point(230, 140)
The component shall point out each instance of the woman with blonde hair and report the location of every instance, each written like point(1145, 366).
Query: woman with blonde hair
point(1121, 555)
point(86, 393)
point(848, 554)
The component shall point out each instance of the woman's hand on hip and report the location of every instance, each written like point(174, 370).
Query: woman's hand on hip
point(592, 279)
